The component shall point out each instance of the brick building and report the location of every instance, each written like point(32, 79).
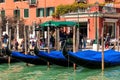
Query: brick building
point(39, 11)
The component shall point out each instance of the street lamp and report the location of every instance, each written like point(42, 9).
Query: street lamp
point(78, 1)
point(95, 16)
point(96, 26)
point(77, 39)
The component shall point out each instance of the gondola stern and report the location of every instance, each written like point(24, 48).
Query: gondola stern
point(8, 51)
point(65, 52)
point(36, 50)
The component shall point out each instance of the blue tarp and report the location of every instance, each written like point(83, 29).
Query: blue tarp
point(53, 54)
point(110, 56)
point(55, 57)
point(21, 55)
point(28, 58)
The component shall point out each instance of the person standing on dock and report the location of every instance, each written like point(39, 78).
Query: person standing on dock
point(23, 45)
point(5, 40)
point(81, 40)
point(107, 41)
point(84, 41)
point(16, 45)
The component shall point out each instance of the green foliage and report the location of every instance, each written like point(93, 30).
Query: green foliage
point(63, 9)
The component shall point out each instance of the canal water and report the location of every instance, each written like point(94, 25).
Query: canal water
point(19, 71)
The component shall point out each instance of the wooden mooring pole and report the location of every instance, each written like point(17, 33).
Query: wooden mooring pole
point(9, 43)
point(74, 44)
point(103, 48)
point(48, 38)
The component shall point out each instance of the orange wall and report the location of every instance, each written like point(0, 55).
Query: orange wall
point(9, 6)
point(91, 28)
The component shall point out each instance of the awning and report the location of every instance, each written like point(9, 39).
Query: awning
point(66, 23)
point(48, 23)
point(58, 23)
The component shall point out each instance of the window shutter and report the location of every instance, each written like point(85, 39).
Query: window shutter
point(37, 12)
point(41, 12)
point(18, 13)
point(51, 11)
point(26, 13)
point(33, 1)
point(3, 13)
point(47, 12)
point(14, 12)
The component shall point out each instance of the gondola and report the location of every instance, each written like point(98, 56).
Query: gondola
point(27, 58)
point(54, 57)
point(4, 58)
point(93, 59)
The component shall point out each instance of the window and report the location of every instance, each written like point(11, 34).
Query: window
point(26, 13)
point(17, 13)
point(110, 28)
point(40, 12)
point(3, 13)
point(33, 2)
point(1, 1)
point(16, 0)
point(49, 11)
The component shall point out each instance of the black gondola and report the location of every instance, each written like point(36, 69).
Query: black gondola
point(54, 57)
point(28, 58)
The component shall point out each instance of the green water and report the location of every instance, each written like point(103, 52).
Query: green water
point(19, 71)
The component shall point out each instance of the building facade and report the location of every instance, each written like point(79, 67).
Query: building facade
point(91, 21)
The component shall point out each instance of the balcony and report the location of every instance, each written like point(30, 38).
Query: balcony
point(32, 2)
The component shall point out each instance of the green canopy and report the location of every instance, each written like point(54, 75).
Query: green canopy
point(66, 23)
point(48, 23)
point(45, 24)
point(58, 23)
